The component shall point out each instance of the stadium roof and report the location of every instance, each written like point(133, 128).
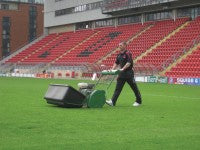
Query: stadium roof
point(113, 6)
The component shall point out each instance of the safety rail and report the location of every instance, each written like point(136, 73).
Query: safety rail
point(6, 68)
point(12, 67)
point(145, 69)
point(84, 66)
point(72, 70)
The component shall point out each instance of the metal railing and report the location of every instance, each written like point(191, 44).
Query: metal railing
point(6, 68)
point(30, 68)
point(77, 66)
point(145, 69)
point(85, 70)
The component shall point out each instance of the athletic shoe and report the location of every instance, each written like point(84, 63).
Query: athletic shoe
point(109, 102)
point(136, 104)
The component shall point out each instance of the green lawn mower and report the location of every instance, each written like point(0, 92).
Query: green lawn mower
point(89, 95)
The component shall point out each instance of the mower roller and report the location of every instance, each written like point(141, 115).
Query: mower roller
point(95, 95)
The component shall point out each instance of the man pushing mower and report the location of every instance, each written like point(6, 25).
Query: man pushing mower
point(124, 61)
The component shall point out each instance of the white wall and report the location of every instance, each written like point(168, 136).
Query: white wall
point(49, 12)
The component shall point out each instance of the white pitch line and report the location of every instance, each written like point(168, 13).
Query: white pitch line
point(172, 96)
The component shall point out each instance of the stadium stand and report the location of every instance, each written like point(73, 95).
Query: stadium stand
point(188, 67)
point(101, 44)
point(88, 46)
point(173, 45)
point(51, 47)
point(22, 55)
point(55, 45)
point(149, 38)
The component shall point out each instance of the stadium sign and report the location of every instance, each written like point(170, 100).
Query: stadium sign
point(162, 79)
point(2, 74)
point(152, 79)
point(188, 81)
point(141, 79)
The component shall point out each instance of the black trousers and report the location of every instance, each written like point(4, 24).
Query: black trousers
point(120, 85)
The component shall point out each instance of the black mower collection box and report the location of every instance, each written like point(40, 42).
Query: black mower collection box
point(64, 95)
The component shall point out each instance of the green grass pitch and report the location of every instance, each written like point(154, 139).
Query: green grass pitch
point(168, 119)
